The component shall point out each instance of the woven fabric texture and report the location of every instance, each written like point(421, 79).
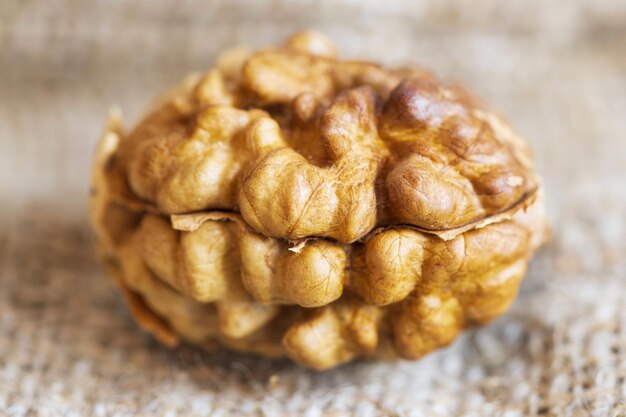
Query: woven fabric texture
point(68, 346)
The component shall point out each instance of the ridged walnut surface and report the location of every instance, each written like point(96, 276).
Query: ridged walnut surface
point(287, 203)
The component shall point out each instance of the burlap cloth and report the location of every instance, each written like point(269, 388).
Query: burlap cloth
point(69, 348)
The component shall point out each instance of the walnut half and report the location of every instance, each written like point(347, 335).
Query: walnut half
point(287, 203)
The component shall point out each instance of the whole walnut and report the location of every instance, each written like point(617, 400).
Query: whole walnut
point(287, 203)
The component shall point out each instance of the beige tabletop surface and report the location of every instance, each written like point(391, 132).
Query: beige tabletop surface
point(68, 346)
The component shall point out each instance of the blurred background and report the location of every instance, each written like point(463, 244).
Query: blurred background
point(557, 69)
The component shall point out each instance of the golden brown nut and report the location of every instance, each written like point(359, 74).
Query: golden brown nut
point(289, 203)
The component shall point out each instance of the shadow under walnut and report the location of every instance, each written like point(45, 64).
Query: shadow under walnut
point(287, 203)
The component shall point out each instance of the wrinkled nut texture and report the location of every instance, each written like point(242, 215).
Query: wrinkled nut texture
point(289, 203)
